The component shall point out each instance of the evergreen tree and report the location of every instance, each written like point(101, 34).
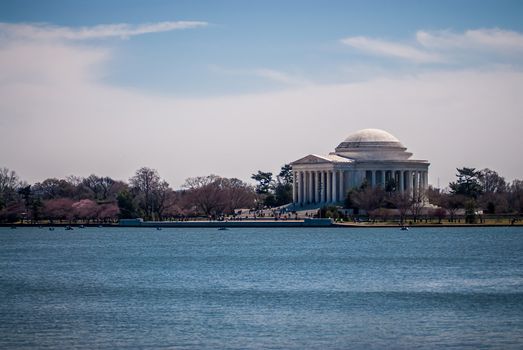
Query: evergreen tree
point(126, 205)
point(468, 183)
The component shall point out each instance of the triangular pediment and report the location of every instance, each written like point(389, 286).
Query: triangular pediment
point(312, 159)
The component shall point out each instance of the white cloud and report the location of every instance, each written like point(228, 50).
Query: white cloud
point(497, 40)
point(265, 73)
point(44, 64)
point(446, 46)
point(38, 31)
point(280, 77)
point(392, 49)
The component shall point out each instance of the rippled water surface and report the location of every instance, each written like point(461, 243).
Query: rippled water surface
point(297, 288)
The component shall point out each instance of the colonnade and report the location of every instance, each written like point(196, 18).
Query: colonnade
point(330, 186)
point(318, 186)
point(404, 180)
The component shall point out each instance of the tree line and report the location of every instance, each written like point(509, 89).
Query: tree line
point(147, 195)
point(474, 191)
point(103, 199)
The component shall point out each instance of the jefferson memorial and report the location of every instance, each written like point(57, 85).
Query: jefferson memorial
point(370, 155)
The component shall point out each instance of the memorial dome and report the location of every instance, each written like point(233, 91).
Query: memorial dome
point(372, 137)
point(372, 144)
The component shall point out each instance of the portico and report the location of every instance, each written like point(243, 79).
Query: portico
point(371, 155)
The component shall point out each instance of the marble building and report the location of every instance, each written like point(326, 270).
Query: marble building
point(370, 155)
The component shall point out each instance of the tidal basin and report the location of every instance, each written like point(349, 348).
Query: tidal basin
point(252, 288)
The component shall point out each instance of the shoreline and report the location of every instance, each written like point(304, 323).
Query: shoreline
point(261, 224)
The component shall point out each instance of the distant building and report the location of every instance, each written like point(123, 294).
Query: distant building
point(370, 155)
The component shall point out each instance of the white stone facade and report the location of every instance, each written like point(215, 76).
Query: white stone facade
point(370, 155)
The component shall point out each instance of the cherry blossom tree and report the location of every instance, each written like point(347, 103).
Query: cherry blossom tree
point(58, 209)
point(85, 209)
point(108, 211)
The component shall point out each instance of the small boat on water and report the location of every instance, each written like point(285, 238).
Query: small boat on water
point(68, 228)
point(222, 229)
point(404, 228)
point(51, 228)
point(159, 228)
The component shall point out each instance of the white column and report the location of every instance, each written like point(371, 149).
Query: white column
point(373, 172)
point(294, 187)
point(309, 187)
point(317, 187)
point(383, 179)
point(334, 189)
point(342, 185)
point(410, 181)
point(329, 188)
point(416, 181)
point(322, 186)
point(300, 183)
point(402, 181)
point(393, 177)
point(305, 187)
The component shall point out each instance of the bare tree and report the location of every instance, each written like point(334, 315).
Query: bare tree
point(419, 200)
point(452, 203)
point(163, 198)
point(238, 194)
point(9, 184)
point(213, 195)
point(491, 181)
point(440, 213)
point(74, 180)
point(145, 182)
point(54, 188)
point(204, 193)
point(116, 188)
point(100, 186)
point(403, 202)
point(92, 183)
point(494, 202)
point(369, 198)
point(516, 196)
point(105, 184)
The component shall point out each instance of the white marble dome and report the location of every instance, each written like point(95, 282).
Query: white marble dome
point(372, 137)
point(372, 144)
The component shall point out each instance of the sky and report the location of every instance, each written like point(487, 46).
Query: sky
point(193, 88)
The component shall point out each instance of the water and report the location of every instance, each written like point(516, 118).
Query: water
point(261, 288)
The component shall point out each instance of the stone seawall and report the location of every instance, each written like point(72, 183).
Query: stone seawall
point(218, 224)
